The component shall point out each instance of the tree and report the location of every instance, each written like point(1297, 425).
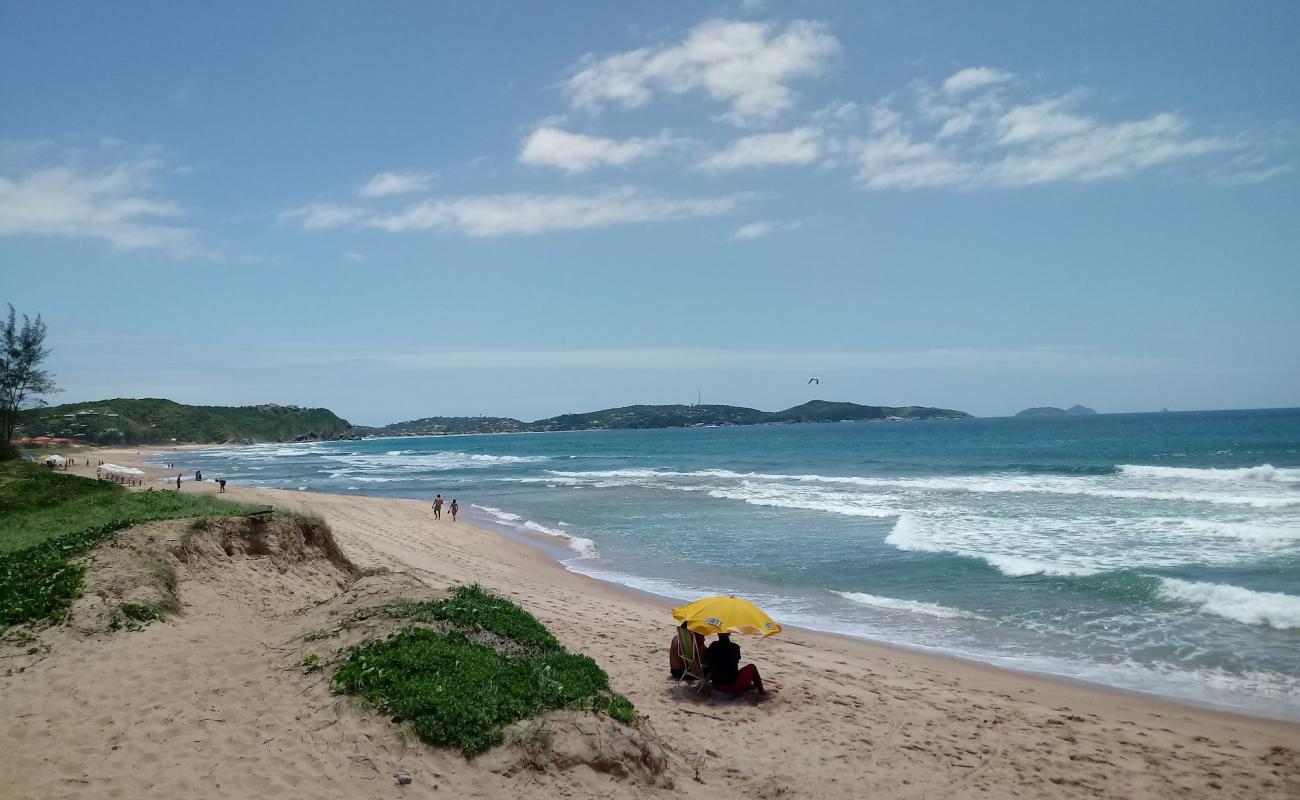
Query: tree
point(22, 351)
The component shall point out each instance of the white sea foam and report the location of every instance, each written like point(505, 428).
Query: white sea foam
point(1274, 609)
point(909, 533)
point(852, 505)
point(1118, 487)
point(1263, 472)
point(914, 606)
point(498, 514)
point(585, 548)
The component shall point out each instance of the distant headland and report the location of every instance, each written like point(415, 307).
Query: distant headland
point(664, 416)
point(1052, 411)
point(155, 421)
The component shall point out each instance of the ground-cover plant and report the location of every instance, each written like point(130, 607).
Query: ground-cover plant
point(47, 519)
point(472, 608)
point(459, 693)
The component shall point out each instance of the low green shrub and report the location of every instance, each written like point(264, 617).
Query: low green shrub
point(459, 693)
point(471, 608)
point(140, 612)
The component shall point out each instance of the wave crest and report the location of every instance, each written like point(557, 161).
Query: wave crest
point(1274, 609)
point(1263, 472)
point(913, 606)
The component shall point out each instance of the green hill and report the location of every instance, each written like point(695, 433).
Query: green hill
point(435, 426)
point(152, 421)
point(1053, 411)
point(651, 417)
point(666, 416)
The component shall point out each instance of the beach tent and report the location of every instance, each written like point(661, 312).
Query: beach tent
point(121, 470)
point(55, 459)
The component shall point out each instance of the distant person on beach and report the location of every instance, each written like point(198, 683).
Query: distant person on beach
point(723, 658)
point(455, 509)
point(198, 476)
point(178, 482)
point(221, 482)
point(437, 507)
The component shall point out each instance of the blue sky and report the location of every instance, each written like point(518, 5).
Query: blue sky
point(524, 209)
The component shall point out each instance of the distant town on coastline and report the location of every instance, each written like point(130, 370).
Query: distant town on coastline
point(155, 421)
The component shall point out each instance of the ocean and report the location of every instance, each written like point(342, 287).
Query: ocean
point(1151, 552)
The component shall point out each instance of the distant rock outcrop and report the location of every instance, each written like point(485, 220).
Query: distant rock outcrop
point(1053, 411)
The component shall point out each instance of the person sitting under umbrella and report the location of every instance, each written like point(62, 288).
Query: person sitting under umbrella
point(723, 659)
point(686, 653)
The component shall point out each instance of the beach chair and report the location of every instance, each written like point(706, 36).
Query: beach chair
point(693, 658)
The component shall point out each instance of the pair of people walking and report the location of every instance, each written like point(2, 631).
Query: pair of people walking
point(438, 503)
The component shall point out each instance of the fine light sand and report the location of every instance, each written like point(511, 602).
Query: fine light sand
point(211, 704)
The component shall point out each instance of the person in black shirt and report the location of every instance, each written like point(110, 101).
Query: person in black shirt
point(723, 658)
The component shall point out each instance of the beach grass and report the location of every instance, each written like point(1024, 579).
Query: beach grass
point(459, 692)
point(48, 519)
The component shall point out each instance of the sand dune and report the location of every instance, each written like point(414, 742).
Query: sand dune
point(213, 704)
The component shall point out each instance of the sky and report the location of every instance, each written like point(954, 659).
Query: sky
point(410, 209)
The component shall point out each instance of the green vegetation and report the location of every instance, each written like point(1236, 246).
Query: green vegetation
point(457, 691)
point(48, 519)
point(670, 416)
point(1053, 411)
point(149, 421)
point(22, 351)
point(139, 612)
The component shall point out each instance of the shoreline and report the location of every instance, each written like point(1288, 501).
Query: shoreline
point(535, 544)
point(1271, 697)
point(970, 660)
point(844, 718)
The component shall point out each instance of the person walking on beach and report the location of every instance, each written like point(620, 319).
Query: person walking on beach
point(437, 507)
point(178, 482)
point(455, 509)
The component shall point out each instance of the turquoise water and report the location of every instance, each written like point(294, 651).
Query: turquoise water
point(1154, 552)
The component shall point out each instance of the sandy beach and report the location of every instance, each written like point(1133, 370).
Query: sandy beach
point(209, 704)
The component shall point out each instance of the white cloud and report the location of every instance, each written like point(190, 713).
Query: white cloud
point(115, 205)
point(748, 65)
point(576, 152)
point(1101, 151)
point(1041, 122)
point(796, 147)
point(753, 230)
point(322, 216)
point(894, 161)
point(526, 214)
point(975, 78)
point(985, 140)
point(388, 183)
point(757, 230)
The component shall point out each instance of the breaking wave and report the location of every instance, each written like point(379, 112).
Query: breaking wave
point(585, 548)
point(913, 606)
point(1274, 609)
point(1263, 472)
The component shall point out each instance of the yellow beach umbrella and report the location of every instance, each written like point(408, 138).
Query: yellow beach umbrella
point(726, 614)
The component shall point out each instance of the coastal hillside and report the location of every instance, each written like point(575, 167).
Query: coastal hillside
point(662, 416)
point(154, 421)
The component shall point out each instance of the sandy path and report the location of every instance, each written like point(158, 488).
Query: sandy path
point(845, 719)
